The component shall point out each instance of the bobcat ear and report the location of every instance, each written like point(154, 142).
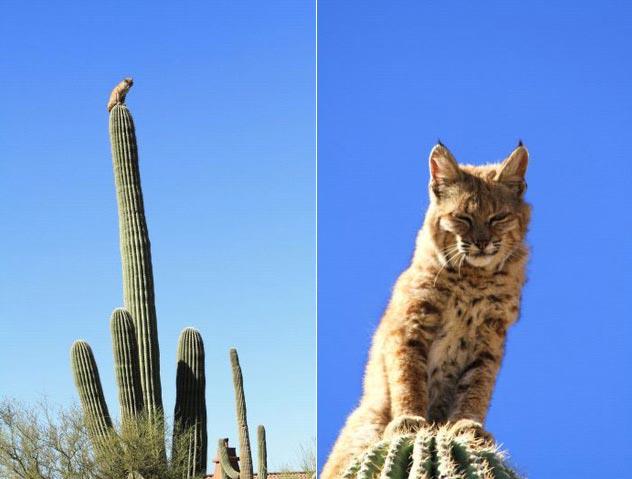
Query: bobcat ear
point(514, 168)
point(443, 166)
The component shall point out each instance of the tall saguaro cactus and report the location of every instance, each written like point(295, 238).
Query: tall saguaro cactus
point(134, 329)
point(138, 279)
point(135, 344)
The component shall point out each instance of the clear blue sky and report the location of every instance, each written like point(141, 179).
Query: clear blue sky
point(224, 103)
point(395, 76)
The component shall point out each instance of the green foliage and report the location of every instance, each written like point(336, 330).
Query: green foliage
point(432, 452)
point(44, 443)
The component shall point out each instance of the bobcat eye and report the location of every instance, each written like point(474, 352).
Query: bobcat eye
point(498, 218)
point(466, 219)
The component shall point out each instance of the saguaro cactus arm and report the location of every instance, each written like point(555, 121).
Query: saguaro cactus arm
point(224, 460)
point(138, 279)
point(262, 451)
point(126, 369)
point(245, 454)
point(190, 409)
point(86, 375)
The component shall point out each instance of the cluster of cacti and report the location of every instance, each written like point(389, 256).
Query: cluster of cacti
point(134, 329)
point(433, 452)
point(245, 455)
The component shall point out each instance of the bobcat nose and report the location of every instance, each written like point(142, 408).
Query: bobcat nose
point(481, 244)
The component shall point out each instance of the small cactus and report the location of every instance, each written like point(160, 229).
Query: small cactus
point(262, 453)
point(432, 452)
point(245, 454)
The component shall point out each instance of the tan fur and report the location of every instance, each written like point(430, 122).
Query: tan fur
point(438, 348)
point(120, 91)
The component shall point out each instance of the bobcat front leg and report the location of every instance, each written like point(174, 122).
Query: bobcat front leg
point(475, 386)
point(406, 358)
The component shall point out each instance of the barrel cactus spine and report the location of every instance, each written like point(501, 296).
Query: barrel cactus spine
point(190, 408)
point(433, 452)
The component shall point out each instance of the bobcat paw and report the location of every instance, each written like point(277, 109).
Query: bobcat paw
point(404, 425)
point(475, 427)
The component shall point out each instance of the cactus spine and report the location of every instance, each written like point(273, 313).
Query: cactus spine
point(88, 384)
point(138, 279)
point(190, 409)
point(433, 452)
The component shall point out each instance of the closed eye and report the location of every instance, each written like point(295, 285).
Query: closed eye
point(466, 219)
point(499, 218)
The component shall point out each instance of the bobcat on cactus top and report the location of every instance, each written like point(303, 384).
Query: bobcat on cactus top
point(120, 92)
point(438, 348)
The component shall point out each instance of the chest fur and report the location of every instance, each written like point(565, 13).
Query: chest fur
point(475, 317)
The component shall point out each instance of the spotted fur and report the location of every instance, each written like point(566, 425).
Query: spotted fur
point(440, 342)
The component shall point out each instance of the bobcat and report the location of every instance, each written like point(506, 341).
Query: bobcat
point(120, 91)
point(438, 348)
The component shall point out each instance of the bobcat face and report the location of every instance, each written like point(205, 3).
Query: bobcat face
point(479, 215)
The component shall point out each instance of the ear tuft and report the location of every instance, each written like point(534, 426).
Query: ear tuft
point(443, 166)
point(513, 169)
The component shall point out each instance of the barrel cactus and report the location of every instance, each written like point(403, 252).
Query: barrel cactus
point(134, 330)
point(433, 452)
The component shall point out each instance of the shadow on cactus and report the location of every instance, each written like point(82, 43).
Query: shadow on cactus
point(433, 452)
point(135, 346)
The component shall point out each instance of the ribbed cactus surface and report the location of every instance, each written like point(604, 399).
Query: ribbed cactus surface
point(245, 470)
point(138, 278)
point(245, 454)
point(262, 450)
point(444, 452)
point(126, 364)
point(91, 396)
point(190, 409)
